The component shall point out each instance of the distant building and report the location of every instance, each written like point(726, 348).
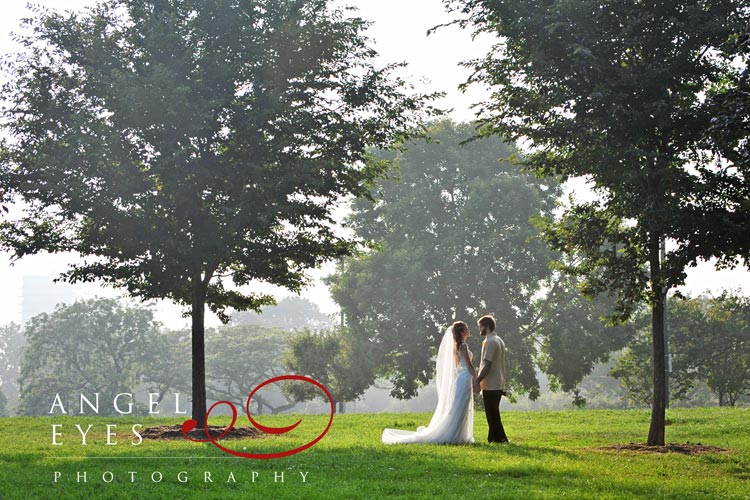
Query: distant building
point(40, 294)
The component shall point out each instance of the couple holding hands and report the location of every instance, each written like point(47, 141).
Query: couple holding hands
point(457, 380)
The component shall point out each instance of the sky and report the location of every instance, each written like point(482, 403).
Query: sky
point(399, 32)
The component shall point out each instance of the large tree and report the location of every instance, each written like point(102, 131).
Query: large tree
point(175, 143)
point(616, 92)
point(455, 241)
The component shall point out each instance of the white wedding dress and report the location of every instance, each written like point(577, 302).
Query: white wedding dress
point(453, 420)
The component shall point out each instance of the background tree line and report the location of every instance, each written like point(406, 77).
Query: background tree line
point(107, 346)
point(709, 340)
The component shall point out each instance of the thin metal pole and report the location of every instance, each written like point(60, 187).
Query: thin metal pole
point(667, 355)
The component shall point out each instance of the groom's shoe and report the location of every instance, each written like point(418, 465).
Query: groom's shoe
point(500, 441)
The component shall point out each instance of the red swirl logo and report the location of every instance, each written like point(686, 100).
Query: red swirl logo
point(189, 425)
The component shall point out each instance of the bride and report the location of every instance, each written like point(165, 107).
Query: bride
point(453, 420)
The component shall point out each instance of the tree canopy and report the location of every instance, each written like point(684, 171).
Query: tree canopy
point(94, 346)
point(335, 357)
point(710, 344)
point(455, 240)
point(615, 93)
point(179, 144)
point(291, 313)
point(12, 343)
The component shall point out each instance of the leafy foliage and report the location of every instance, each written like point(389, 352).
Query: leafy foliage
point(174, 143)
point(729, 105)
point(573, 338)
point(720, 352)
point(94, 346)
point(241, 357)
point(709, 339)
point(456, 240)
point(615, 93)
point(12, 343)
point(334, 358)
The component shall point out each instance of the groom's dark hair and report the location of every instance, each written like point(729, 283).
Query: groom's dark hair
point(487, 321)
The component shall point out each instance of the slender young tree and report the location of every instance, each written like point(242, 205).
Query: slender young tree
point(175, 143)
point(616, 92)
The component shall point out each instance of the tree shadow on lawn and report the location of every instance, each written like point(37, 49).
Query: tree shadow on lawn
point(421, 470)
point(413, 471)
point(527, 451)
point(737, 464)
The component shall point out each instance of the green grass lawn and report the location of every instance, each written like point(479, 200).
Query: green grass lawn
point(552, 455)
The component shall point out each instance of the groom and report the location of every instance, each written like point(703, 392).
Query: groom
point(491, 379)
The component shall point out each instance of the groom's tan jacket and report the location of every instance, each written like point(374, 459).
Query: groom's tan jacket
point(493, 350)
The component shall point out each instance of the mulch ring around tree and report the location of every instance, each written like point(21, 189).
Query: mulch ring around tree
point(175, 432)
point(684, 449)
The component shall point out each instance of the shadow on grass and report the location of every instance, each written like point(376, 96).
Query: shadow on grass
point(475, 472)
point(340, 470)
point(528, 451)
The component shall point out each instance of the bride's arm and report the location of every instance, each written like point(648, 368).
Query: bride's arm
point(465, 354)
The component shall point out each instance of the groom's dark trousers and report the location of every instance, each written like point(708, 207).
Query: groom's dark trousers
point(492, 411)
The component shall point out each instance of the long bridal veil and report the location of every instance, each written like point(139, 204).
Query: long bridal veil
point(452, 421)
point(445, 377)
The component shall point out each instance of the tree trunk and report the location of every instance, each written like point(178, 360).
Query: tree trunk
point(461, 314)
point(658, 408)
point(199, 351)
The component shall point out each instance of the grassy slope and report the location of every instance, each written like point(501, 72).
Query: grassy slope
point(552, 455)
